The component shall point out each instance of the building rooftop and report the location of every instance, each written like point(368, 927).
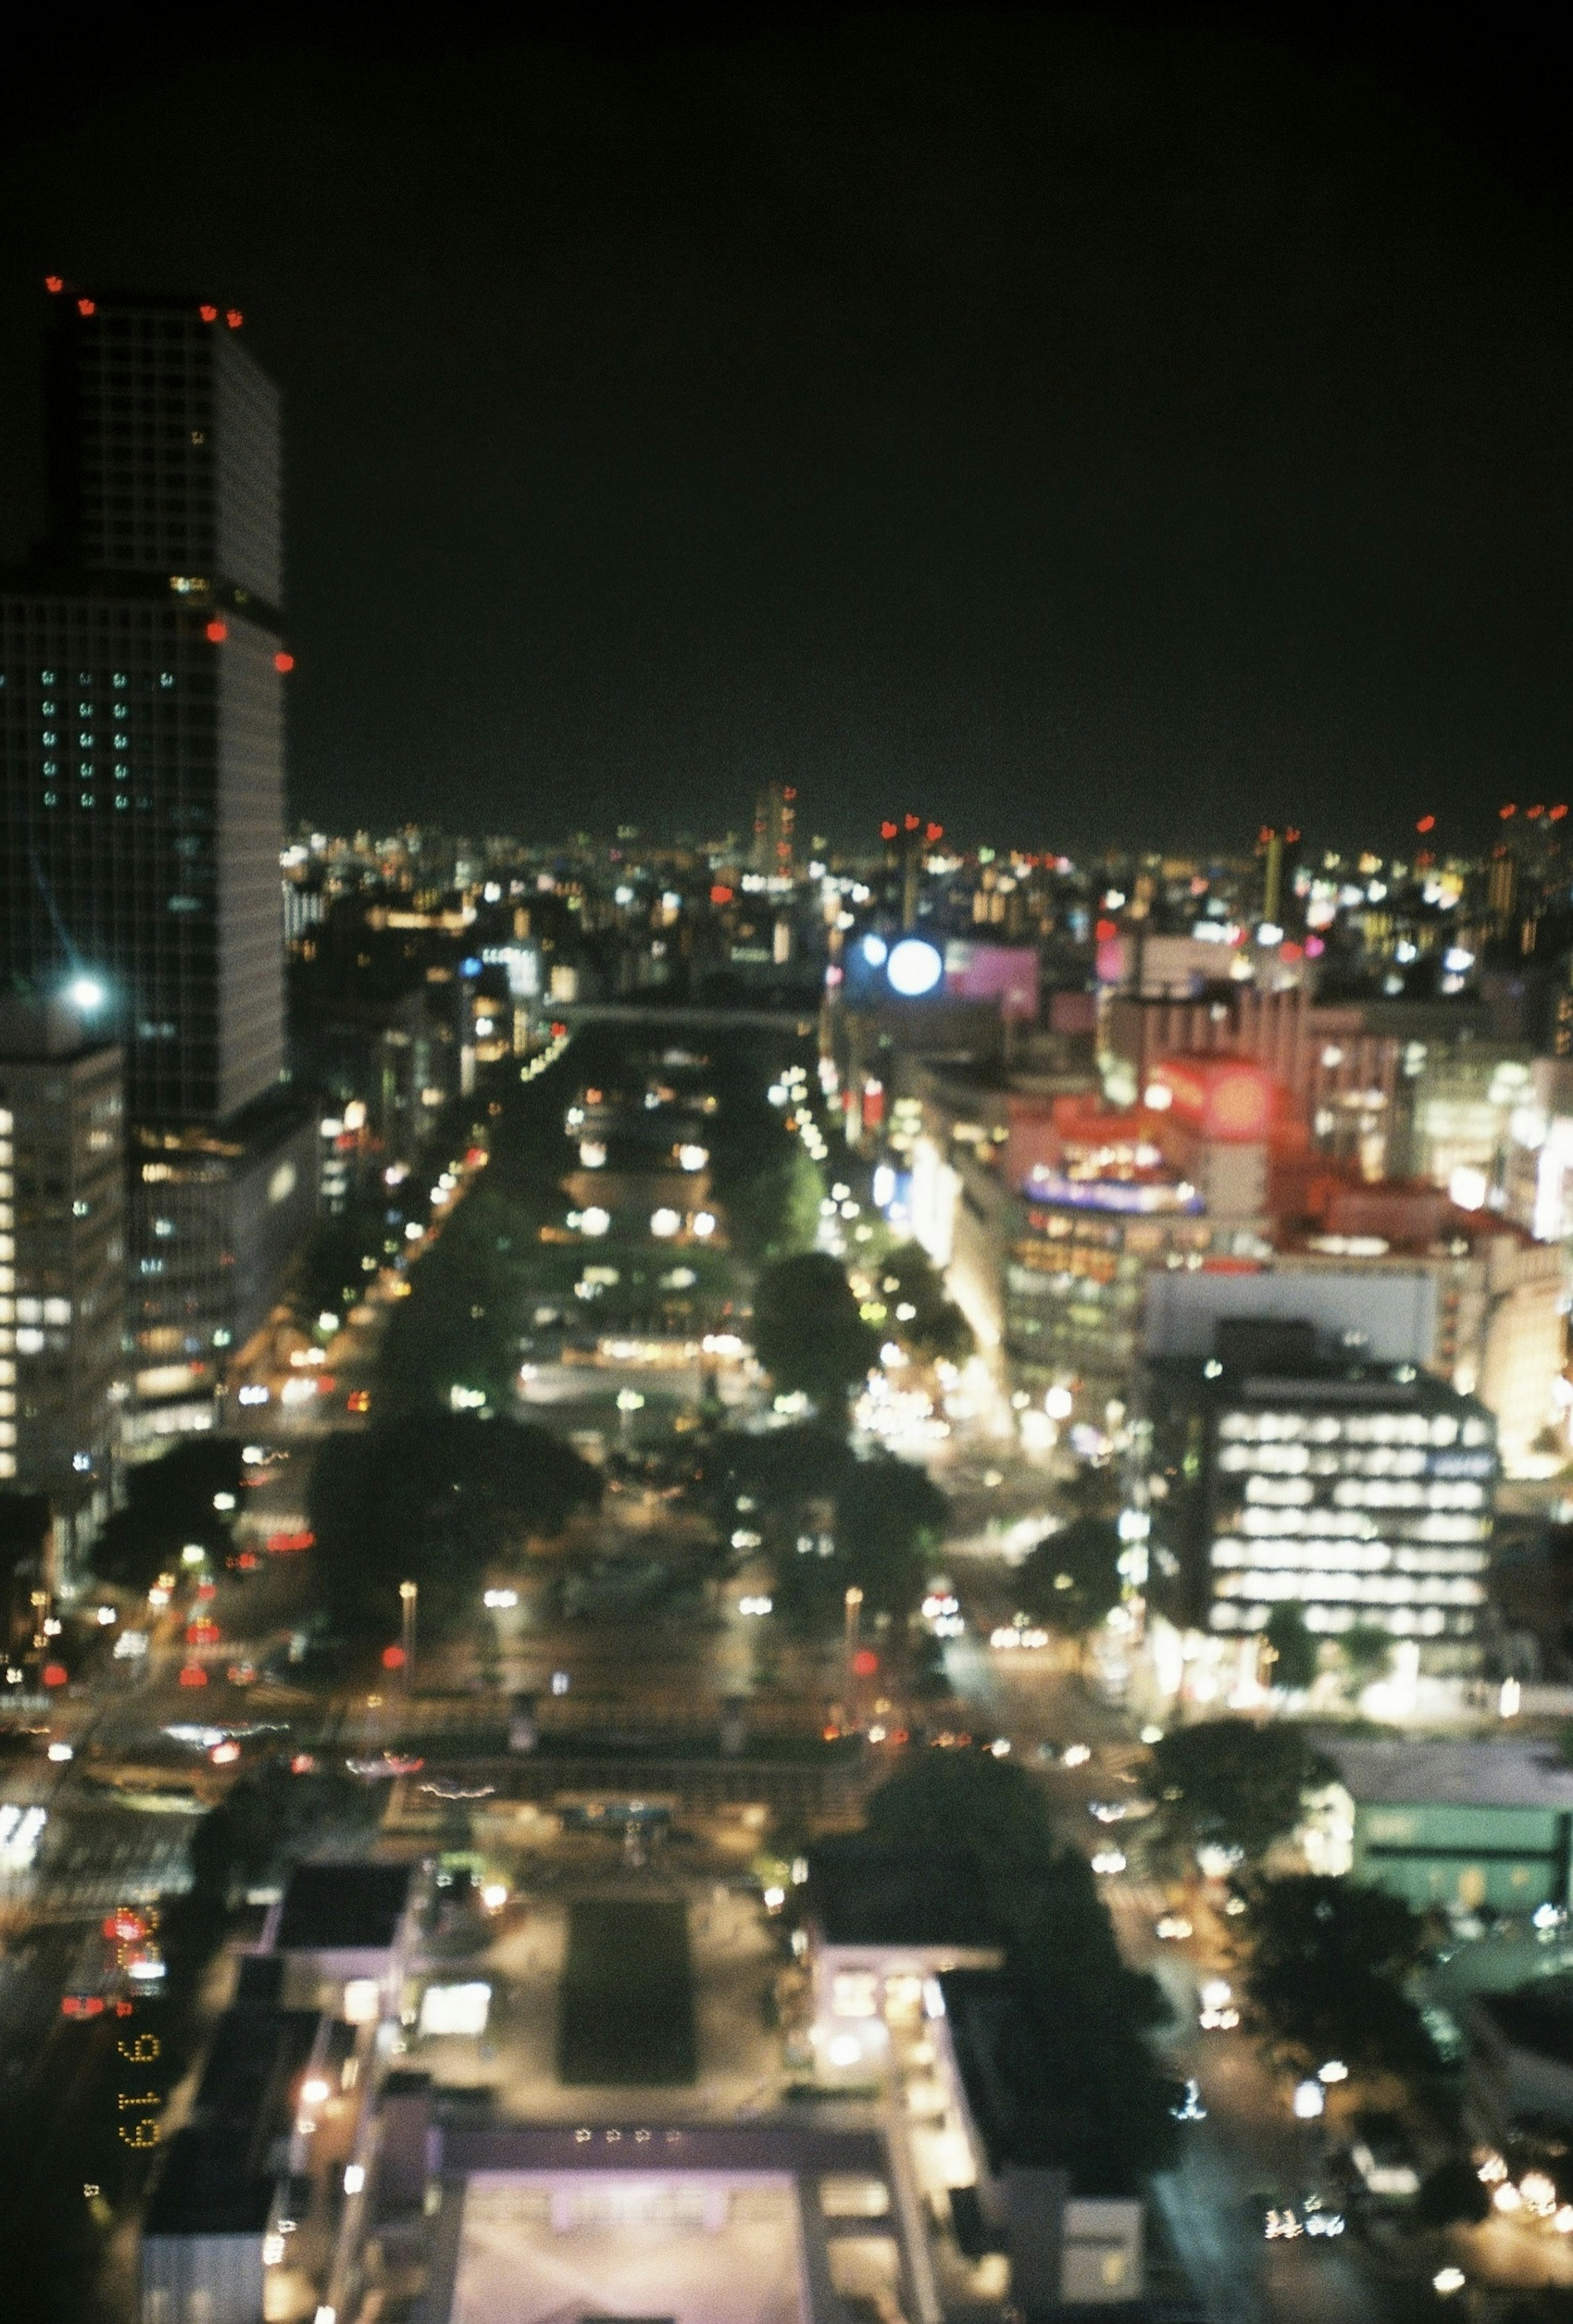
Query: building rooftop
point(863, 1893)
point(221, 2169)
point(1018, 2117)
point(344, 1907)
point(714, 2224)
point(1270, 1374)
point(1396, 1772)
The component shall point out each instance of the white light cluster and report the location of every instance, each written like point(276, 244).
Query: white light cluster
point(1306, 1528)
point(544, 1057)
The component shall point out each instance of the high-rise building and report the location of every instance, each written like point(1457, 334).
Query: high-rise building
point(1280, 1472)
point(62, 1263)
point(774, 827)
point(141, 671)
point(142, 766)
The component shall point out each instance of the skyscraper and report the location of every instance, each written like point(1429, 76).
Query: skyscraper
point(774, 850)
point(142, 773)
point(143, 726)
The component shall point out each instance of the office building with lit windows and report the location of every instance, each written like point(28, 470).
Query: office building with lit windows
point(63, 1265)
point(1278, 1472)
point(141, 768)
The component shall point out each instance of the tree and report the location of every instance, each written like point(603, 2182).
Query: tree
point(460, 1325)
point(891, 1518)
point(1294, 1650)
point(1090, 2096)
point(1076, 2082)
point(168, 1503)
point(772, 1212)
point(1367, 1652)
point(768, 1189)
point(1072, 1580)
point(1230, 1784)
point(1328, 1959)
point(808, 1332)
point(969, 1803)
point(915, 1308)
point(437, 1500)
point(327, 1275)
point(887, 1520)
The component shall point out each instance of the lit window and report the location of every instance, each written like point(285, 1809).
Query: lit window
point(854, 1993)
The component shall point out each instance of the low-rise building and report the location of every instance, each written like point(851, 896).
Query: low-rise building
point(882, 1922)
point(1461, 1824)
point(205, 2235)
point(343, 1933)
point(746, 2223)
point(1070, 2245)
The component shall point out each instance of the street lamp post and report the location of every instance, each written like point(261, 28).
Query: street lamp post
point(408, 1592)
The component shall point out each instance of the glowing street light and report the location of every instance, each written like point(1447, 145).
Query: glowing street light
point(408, 1592)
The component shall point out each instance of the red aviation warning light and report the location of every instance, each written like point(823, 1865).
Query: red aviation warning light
point(86, 307)
point(234, 318)
point(283, 663)
point(54, 284)
point(216, 632)
point(208, 314)
point(886, 830)
point(1426, 823)
point(934, 830)
point(1504, 812)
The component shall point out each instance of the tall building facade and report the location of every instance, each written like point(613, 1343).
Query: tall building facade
point(141, 768)
point(1281, 1472)
point(775, 848)
point(62, 1264)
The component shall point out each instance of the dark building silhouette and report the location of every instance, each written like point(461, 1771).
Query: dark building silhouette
point(142, 788)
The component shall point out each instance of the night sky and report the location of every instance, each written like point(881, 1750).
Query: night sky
point(1076, 427)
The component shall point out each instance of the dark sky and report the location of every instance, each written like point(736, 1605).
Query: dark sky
point(1075, 427)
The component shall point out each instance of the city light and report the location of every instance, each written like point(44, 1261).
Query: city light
point(915, 967)
point(86, 994)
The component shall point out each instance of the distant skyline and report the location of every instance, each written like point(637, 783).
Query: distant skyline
point(1077, 428)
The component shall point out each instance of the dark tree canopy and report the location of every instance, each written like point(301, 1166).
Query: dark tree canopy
point(808, 1332)
point(1294, 1649)
point(936, 1329)
point(436, 1499)
point(1230, 1783)
point(970, 1802)
point(1072, 1580)
point(1077, 2083)
point(1328, 1961)
point(170, 1502)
